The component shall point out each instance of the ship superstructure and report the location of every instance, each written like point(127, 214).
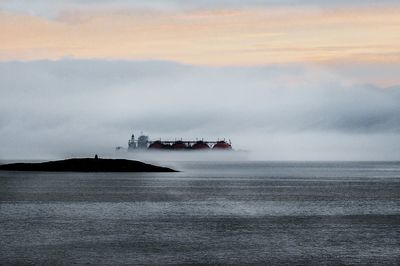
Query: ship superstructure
point(144, 143)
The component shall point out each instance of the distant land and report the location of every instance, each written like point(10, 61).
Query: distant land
point(86, 165)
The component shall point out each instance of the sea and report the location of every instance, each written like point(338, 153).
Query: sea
point(224, 213)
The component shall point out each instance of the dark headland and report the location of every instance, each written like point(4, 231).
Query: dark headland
point(87, 165)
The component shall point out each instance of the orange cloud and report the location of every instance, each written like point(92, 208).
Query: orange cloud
point(221, 37)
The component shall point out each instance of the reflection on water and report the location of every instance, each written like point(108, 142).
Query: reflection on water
point(212, 212)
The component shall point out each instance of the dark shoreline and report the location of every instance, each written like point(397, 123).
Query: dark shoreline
point(87, 165)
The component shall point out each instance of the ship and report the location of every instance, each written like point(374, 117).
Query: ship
point(144, 143)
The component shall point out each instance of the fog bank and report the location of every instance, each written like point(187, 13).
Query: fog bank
point(287, 112)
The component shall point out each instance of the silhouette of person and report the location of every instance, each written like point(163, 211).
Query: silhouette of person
point(96, 157)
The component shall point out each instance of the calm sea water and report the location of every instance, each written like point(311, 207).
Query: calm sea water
point(211, 213)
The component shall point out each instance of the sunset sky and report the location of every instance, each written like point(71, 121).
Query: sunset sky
point(219, 33)
point(290, 51)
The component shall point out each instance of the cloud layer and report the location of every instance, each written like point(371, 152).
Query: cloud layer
point(220, 36)
point(48, 8)
point(280, 112)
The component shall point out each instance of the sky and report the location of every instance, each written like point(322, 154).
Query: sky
point(287, 80)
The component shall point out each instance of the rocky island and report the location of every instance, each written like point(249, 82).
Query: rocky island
point(87, 165)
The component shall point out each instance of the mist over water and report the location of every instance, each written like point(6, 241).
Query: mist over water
point(66, 108)
point(210, 212)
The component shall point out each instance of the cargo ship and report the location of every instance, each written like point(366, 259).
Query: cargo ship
point(144, 143)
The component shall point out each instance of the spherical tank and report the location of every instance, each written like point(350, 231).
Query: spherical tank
point(222, 145)
point(179, 145)
point(156, 145)
point(200, 145)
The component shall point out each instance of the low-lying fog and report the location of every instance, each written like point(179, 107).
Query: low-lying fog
point(53, 109)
